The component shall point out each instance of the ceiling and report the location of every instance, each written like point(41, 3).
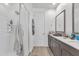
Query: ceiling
point(36, 6)
point(44, 5)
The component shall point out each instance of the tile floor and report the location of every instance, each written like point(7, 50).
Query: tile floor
point(41, 51)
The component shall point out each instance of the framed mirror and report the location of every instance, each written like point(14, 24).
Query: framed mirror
point(60, 22)
point(75, 18)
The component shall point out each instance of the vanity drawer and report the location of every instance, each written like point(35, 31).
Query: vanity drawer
point(71, 50)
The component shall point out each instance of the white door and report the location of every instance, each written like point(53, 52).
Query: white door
point(39, 39)
point(24, 23)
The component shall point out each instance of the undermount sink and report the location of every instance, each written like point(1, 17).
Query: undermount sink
point(70, 40)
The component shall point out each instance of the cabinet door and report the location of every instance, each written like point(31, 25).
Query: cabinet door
point(56, 48)
point(52, 44)
point(49, 41)
point(65, 53)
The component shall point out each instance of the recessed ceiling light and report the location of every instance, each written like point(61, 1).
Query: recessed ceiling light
point(6, 3)
point(53, 3)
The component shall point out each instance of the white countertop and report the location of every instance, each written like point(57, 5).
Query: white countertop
point(68, 41)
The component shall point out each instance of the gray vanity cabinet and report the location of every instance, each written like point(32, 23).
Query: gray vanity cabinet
point(59, 48)
point(68, 50)
point(65, 53)
point(65, 50)
point(49, 41)
point(55, 48)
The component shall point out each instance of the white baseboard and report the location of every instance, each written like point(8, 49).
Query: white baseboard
point(44, 44)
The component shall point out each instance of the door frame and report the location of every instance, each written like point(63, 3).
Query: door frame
point(44, 32)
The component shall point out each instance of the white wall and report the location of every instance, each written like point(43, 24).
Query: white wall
point(68, 16)
point(50, 20)
point(7, 13)
point(6, 38)
point(3, 31)
point(15, 18)
point(76, 17)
